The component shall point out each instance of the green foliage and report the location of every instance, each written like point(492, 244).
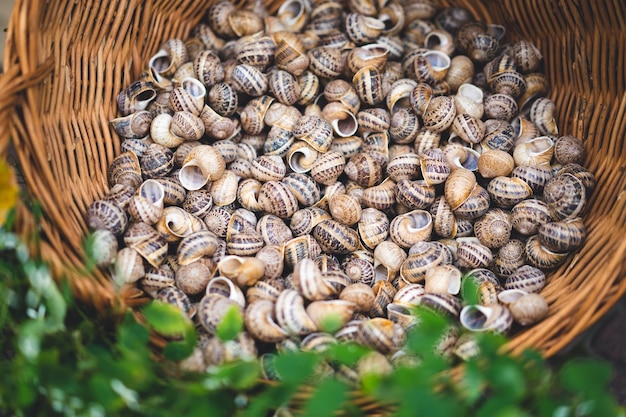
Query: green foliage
point(56, 360)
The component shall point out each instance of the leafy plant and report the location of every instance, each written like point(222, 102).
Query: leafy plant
point(58, 360)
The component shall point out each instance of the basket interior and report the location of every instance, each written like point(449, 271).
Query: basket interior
point(73, 59)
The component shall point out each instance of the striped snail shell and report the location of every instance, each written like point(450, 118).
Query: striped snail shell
point(361, 295)
point(341, 91)
point(508, 82)
point(388, 259)
point(304, 220)
point(473, 254)
point(407, 229)
point(345, 209)
point(461, 72)
point(483, 47)
point(157, 161)
point(459, 186)
point(157, 278)
point(194, 277)
point(415, 194)
point(420, 98)
point(499, 135)
point(528, 215)
point(147, 204)
point(569, 149)
point(373, 119)
point(301, 247)
point(500, 106)
point(371, 86)
point(138, 96)
point(256, 50)
point(249, 80)
point(336, 238)
point(273, 230)
point(304, 189)
point(309, 85)
point(224, 189)
point(203, 163)
point(399, 94)
point(290, 54)
point(276, 198)
point(459, 155)
point(494, 228)
point(176, 297)
point(363, 29)
point(223, 99)
point(509, 258)
point(382, 196)
point(384, 292)
point(364, 169)
point(565, 196)
point(228, 149)
point(326, 62)
point(446, 304)
point(440, 113)
point(253, 114)
point(414, 267)
point(195, 246)
point(404, 125)
point(469, 128)
point(405, 166)
point(410, 294)
point(526, 55)
point(134, 126)
point(373, 227)
point(434, 166)
point(315, 131)
point(476, 204)
point(537, 151)
point(359, 270)
point(327, 168)
point(260, 320)
point(323, 310)
point(444, 222)
point(583, 174)
point(268, 168)
point(495, 163)
point(147, 242)
point(496, 318)
point(563, 236)
point(536, 176)
point(543, 115)
point(189, 96)
point(273, 258)
point(291, 314)
point(506, 192)
point(432, 66)
point(107, 215)
point(212, 310)
point(526, 278)
point(540, 256)
point(381, 334)
point(469, 100)
point(284, 87)
point(341, 118)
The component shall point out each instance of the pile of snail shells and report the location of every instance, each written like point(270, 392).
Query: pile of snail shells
point(341, 163)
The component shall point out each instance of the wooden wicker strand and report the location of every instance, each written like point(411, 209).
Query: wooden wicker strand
point(66, 61)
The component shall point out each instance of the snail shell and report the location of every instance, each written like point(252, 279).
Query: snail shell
point(495, 163)
point(526, 55)
point(405, 166)
point(260, 321)
point(410, 294)
point(224, 189)
point(194, 277)
point(326, 62)
point(315, 131)
point(528, 215)
point(106, 215)
point(569, 150)
point(529, 309)
point(402, 315)
point(342, 92)
point(495, 318)
point(536, 176)
point(203, 164)
point(176, 223)
point(374, 119)
point(500, 106)
point(268, 168)
point(290, 53)
point(420, 98)
point(304, 189)
point(443, 303)
point(473, 254)
point(273, 258)
point(563, 236)
point(410, 228)
point(543, 115)
point(373, 227)
point(415, 194)
point(322, 311)
point(301, 157)
point(469, 100)
point(309, 85)
point(459, 186)
point(382, 196)
point(345, 209)
point(253, 114)
point(157, 278)
point(371, 86)
point(359, 270)
point(217, 126)
point(336, 238)
point(195, 246)
point(444, 222)
point(363, 29)
point(136, 146)
point(432, 66)
point(499, 134)
point(341, 118)
point(244, 244)
point(147, 242)
point(303, 221)
point(275, 198)
point(509, 258)
point(381, 334)
point(404, 126)
point(158, 161)
point(434, 166)
point(469, 128)
point(443, 279)
point(273, 230)
point(291, 315)
point(414, 267)
point(399, 94)
point(506, 192)
point(212, 310)
point(483, 47)
point(537, 151)
point(255, 50)
point(173, 192)
point(565, 196)
point(461, 156)
point(508, 82)
point(494, 228)
point(189, 96)
point(249, 80)
point(223, 99)
point(461, 72)
point(580, 172)
point(218, 221)
point(176, 297)
point(138, 96)
point(388, 259)
point(284, 87)
point(364, 169)
point(540, 256)
point(526, 278)
point(328, 167)
point(440, 113)
point(134, 126)
point(147, 205)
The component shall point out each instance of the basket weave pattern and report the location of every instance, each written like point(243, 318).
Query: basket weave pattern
point(66, 61)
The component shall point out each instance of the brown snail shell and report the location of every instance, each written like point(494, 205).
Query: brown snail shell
point(273, 230)
point(536, 176)
point(537, 151)
point(276, 198)
point(541, 257)
point(249, 80)
point(203, 163)
point(499, 135)
point(529, 309)
point(284, 87)
point(106, 215)
point(506, 192)
point(494, 228)
point(212, 310)
point(268, 168)
point(260, 321)
point(509, 258)
point(500, 106)
point(440, 113)
point(443, 279)
point(374, 119)
point(273, 258)
point(565, 196)
point(373, 227)
point(434, 166)
point(415, 266)
point(341, 118)
point(134, 126)
point(461, 72)
point(328, 167)
point(303, 187)
point(363, 29)
point(415, 194)
point(543, 115)
point(147, 205)
point(195, 246)
point(405, 166)
point(388, 259)
point(469, 128)
point(382, 196)
point(569, 149)
point(370, 85)
point(444, 222)
point(304, 220)
point(336, 238)
point(158, 161)
point(495, 163)
point(315, 131)
point(526, 278)
point(494, 317)
point(381, 334)
point(459, 186)
point(364, 169)
point(359, 270)
point(345, 209)
point(326, 62)
point(291, 315)
point(253, 114)
point(528, 215)
point(410, 228)
point(563, 236)
point(473, 254)
point(420, 98)
point(469, 99)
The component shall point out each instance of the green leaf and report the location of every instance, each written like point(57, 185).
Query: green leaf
point(166, 319)
point(296, 367)
point(585, 376)
point(506, 378)
point(472, 384)
point(469, 290)
point(346, 353)
point(30, 335)
point(327, 398)
point(180, 349)
point(331, 323)
point(239, 375)
point(231, 325)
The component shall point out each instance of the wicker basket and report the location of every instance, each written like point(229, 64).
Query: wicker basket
point(65, 61)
